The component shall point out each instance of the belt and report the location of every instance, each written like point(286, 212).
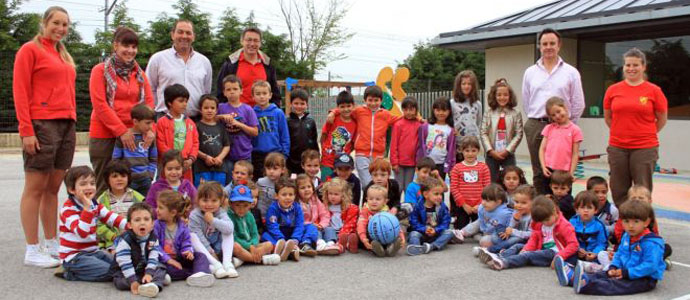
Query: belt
point(543, 120)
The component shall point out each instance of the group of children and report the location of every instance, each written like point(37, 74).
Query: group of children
point(205, 215)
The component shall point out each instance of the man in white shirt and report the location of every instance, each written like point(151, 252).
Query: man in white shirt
point(180, 64)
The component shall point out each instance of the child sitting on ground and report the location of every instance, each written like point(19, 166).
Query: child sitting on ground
point(171, 179)
point(561, 183)
point(467, 179)
point(337, 196)
point(210, 223)
point(510, 178)
point(607, 211)
point(310, 164)
point(376, 203)
point(118, 198)
point(430, 220)
point(380, 170)
point(242, 172)
point(520, 227)
point(551, 236)
point(247, 247)
point(258, 217)
point(637, 265)
point(274, 168)
point(141, 161)
point(493, 218)
point(285, 221)
point(136, 266)
point(316, 217)
point(344, 164)
point(79, 217)
point(175, 242)
point(423, 170)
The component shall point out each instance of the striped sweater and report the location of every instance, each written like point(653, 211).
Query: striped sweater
point(467, 182)
point(78, 227)
point(141, 161)
point(124, 253)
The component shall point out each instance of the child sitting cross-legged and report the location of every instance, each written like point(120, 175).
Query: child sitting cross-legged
point(551, 236)
point(607, 211)
point(493, 218)
point(430, 220)
point(136, 266)
point(638, 263)
point(376, 203)
point(247, 247)
point(316, 218)
point(285, 221)
point(520, 224)
point(175, 242)
point(118, 198)
point(337, 196)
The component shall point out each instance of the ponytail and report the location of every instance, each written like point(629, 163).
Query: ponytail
point(60, 46)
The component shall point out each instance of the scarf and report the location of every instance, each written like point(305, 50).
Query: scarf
point(115, 67)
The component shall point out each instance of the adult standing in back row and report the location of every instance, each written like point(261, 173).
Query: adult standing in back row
point(249, 64)
point(550, 76)
point(180, 64)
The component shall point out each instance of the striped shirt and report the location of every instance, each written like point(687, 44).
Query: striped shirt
point(142, 161)
point(123, 256)
point(78, 227)
point(467, 182)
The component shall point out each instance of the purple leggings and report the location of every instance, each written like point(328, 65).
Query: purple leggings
point(189, 267)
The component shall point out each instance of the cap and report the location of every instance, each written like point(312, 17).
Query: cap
point(241, 193)
point(344, 160)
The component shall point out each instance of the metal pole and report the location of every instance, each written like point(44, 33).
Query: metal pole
point(105, 17)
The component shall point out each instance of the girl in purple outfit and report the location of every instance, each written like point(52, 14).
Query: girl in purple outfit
point(171, 179)
point(176, 243)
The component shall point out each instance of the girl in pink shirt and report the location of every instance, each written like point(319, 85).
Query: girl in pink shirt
point(561, 144)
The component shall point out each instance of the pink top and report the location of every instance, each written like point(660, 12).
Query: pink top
point(559, 147)
point(316, 212)
point(538, 86)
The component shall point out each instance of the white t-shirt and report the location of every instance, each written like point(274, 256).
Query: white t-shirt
point(547, 237)
point(437, 142)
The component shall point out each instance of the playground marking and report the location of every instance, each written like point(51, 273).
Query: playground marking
point(684, 297)
point(682, 265)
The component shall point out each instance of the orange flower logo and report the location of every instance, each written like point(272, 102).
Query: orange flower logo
point(643, 100)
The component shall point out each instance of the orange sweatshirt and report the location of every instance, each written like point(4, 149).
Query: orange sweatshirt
point(43, 86)
point(371, 130)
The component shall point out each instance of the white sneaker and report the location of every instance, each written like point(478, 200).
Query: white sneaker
point(458, 238)
point(52, 248)
point(230, 270)
point(475, 251)
point(237, 262)
point(270, 259)
point(219, 272)
point(200, 279)
point(36, 258)
point(167, 280)
point(148, 290)
point(320, 245)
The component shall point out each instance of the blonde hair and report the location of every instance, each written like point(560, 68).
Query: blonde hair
point(378, 188)
point(554, 101)
point(345, 192)
point(640, 189)
point(47, 15)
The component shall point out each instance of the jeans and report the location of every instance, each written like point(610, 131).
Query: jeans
point(541, 258)
point(600, 284)
point(495, 166)
point(437, 242)
point(473, 229)
point(189, 267)
point(362, 166)
point(209, 176)
point(329, 234)
point(404, 176)
point(89, 266)
point(141, 185)
point(505, 244)
point(310, 235)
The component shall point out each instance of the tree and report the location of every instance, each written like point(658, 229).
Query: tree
point(433, 68)
point(159, 30)
point(104, 40)
point(315, 33)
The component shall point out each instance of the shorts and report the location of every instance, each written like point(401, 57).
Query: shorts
point(58, 140)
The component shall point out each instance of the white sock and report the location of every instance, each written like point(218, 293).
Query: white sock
point(32, 248)
point(199, 247)
point(227, 247)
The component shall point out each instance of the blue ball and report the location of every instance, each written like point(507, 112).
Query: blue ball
point(384, 228)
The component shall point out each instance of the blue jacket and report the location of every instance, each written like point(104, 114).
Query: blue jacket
point(273, 131)
point(592, 236)
point(418, 218)
point(489, 221)
point(413, 193)
point(644, 258)
point(279, 220)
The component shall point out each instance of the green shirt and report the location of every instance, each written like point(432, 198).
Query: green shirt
point(180, 133)
point(246, 233)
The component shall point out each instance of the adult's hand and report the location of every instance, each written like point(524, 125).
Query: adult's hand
point(30, 145)
point(127, 140)
point(149, 138)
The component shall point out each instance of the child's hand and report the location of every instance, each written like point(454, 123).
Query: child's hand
point(590, 256)
point(147, 278)
point(331, 118)
point(208, 160)
point(189, 255)
point(366, 244)
point(187, 164)
point(475, 209)
point(213, 253)
point(85, 200)
point(506, 234)
point(517, 215)
point(616, 273)
point(134, 288)
point(208, 217)
point(467, 208)
point(175, 264)
point(610, 254)
point(319, 227)
point(546, 171)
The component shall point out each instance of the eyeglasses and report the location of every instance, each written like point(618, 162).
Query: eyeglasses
point(256, 41)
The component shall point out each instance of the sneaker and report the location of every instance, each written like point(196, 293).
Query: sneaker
point(668, 264)
point(236, 262)
point(200, 279)
point(330, 250)
point(580, 279)
point(51, 247)
point(485, 256)
point(475, 251)
point(270, 259)
point(148, 290)
point(287, 249)
point(496, 263)
point(230, 269)
point(458, 238)
point(590, 267)
point(563, 271)
point(167, 280)
point(36, 258)
point(220, 273)
point(59, 272)
point(427, 248)
point(320, 245)
point(306, 249)
point(393, 249)
point(353, 243)
point(378, 249)
point(295, 255)
point(279, 247)
point(415, 250)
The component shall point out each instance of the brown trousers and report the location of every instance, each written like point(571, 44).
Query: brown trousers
point(100, 153)
point(628, 167)
point(533, 129)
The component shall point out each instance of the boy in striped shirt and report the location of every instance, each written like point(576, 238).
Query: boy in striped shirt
point(137, 268)
point(79, 216)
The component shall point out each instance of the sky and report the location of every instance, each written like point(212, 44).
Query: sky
point(385, 30)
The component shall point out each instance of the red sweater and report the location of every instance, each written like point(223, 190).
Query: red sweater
point(43, 86)
point(563, 235)
point(403, 145)
point(165, 140)
point(349, 217)
point(467, 182)
point(110, 122)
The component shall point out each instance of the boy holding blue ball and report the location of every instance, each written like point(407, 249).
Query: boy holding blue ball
point(376, 203)
point(430, 220)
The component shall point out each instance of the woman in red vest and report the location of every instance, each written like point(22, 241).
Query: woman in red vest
point(44, 100)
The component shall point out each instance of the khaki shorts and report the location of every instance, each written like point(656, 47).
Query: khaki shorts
point(57, 140)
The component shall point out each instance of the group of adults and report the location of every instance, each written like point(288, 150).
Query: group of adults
point(44, 97)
